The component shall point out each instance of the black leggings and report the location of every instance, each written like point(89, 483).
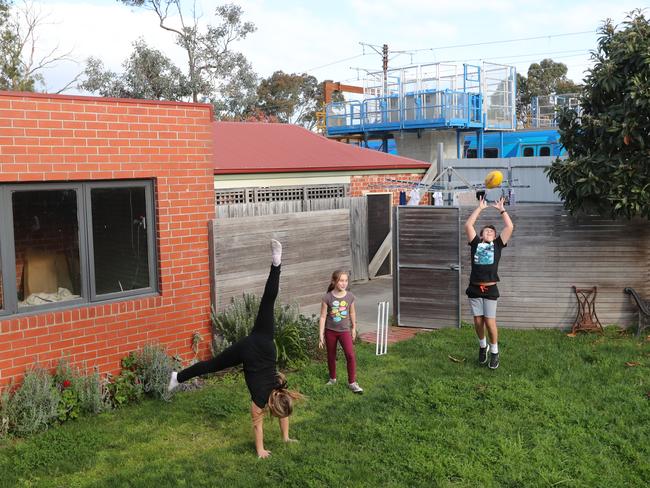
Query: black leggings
point(263, 330)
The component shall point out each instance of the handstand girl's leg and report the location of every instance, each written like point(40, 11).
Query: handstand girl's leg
point(229, 358)
point(264, 323)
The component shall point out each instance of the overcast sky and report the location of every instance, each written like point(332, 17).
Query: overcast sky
point(323, 38)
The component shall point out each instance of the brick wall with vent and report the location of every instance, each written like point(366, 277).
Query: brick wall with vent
point(390, 183)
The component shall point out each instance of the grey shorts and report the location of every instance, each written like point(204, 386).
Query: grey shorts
point(483, 307)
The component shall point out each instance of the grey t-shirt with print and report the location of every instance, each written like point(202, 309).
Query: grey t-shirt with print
point(338, 311)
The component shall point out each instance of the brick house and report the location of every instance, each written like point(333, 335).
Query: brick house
point(104, 245)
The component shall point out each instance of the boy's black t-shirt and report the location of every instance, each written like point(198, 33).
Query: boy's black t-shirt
point(485, 260)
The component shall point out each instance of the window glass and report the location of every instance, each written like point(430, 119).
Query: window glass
point(471, 153)
point(529, 152)
point(490, 152)
point(2, 290)
point(46, 239)
point(120, 239)
point(545, 151)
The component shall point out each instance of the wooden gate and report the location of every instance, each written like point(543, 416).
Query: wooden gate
point(426, 280)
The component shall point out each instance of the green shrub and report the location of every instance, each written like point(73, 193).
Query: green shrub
point(154, 367)
point(234, 323)
point(4, 413)
point(125, 388)
point(296, 336)
point(93, 394)
point(34, 405)
point(144, 372)
point(79, 393)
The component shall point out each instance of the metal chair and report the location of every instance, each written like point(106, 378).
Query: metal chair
point(586, 320)
point(644, 309)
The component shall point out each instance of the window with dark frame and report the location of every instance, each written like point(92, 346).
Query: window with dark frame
point(529, 152)
point(46, 246)
point(75, 243)
point(490, 152)
point(2, 293)
point(545, 151)
point(119, 239)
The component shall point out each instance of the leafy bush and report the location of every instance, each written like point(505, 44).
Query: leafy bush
point(4, 414)
point(80, 394)
point(296, 336)
point(143, 372)
point(125, 388)
point(34, 405)
point(234, 323)
point(154, 367)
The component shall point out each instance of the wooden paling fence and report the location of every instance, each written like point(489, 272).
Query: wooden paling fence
point(358, 226)
point(314, 245)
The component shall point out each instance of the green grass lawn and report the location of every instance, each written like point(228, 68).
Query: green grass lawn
point(559, 411)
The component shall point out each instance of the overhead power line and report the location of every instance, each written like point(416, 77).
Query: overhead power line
point(336, 62)
point(485, 43)
point(504, 41)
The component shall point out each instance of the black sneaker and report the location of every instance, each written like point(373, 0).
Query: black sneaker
point(494, 360)
point(482, 355)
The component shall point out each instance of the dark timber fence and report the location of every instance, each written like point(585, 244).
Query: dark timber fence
point(548, 253)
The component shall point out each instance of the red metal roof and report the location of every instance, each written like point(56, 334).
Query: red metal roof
point(252, 147)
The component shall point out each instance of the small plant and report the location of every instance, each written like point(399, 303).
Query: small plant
point(296, 336)
point(79, 393)
point(196, 340)
point(68, 407)
point(153, 367)
point(4, 414)
point(125, 388)
point(235, 322)
point(34, 406)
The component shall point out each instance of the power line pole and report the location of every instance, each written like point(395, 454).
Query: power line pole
point(384, 62)
point(384, 54)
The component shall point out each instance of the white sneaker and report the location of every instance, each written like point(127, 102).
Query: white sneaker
point(355, 387)
point(332, 381)
point(173, 382)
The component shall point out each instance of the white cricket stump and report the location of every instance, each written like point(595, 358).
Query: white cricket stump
point(383, 309)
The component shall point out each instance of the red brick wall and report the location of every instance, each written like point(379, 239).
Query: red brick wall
point(360, 185)
point(68, 138)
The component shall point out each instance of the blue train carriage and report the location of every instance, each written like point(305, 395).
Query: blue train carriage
point(521, 143)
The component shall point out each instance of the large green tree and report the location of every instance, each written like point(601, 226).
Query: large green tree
point(147, 73)
point(215, 72)
point(9, 54)
point(545, 78)
point(608, 141)
point(291, 98)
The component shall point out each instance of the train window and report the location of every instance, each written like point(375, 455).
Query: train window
point(471, 153)
point(545, 151)
point(490, 152)
point(529, 151)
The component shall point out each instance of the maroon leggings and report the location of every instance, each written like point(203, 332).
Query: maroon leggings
point(345, 338)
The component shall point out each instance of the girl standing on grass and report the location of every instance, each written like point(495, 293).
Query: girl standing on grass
point(338, 323)
point(257, 353)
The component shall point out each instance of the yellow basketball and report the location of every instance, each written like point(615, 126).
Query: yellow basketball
point(493, 179)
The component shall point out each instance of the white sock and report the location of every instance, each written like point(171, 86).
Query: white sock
point(494, 348)
point(276, 252)
point(173, 382)
point(482, 343)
